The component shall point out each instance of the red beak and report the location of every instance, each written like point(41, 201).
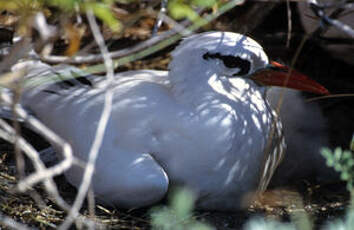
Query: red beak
point(279, 75)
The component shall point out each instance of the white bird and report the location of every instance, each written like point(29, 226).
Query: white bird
point(204, 124)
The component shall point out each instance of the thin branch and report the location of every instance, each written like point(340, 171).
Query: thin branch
point(12, 224)
point(144, 48)
point(275, 1)
point(97, 58)
point(18, 51)
point(319, 12)
point(45, 175)
point(42, 173)
point(289, 23)
point(160, 17)
point(339, 95)
point(102, 124)
point(177, 27)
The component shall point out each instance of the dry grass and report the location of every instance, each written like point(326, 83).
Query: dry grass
point(321, 202)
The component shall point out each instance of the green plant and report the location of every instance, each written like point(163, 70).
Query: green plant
point(180, 9)
point(101, 9)
point(262, 224)
point(343, 162)
point(346, 224)
point(178, 214)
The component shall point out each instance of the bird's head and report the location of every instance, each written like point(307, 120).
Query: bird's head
point(234, 56)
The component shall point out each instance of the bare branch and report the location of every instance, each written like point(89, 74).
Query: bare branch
point(289, 23)
point(319, 12)
point(97, 58)
point(153, 44)
point(160, 17)
point(102, 124)
point(42, 173)
point(12, 224)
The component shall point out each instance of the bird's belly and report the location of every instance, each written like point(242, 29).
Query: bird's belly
point(213, 162)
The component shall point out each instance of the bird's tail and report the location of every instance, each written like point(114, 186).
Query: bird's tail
point(36, 77)
point(41, 76)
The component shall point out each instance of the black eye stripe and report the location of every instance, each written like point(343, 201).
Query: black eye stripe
point(231, 62)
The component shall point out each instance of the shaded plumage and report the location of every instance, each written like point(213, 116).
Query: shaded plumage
point(204, 124)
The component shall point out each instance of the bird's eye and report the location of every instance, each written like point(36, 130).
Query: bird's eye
point(231, 62)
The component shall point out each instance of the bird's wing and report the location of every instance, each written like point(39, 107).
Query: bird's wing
point(64, 80)
point(273, 153)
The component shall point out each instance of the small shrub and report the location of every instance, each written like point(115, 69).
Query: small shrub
point(178, 215)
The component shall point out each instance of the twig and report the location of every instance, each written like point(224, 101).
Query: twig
point(340, 95)
point(177, 27)
point(319, 12)
point(144, 48)
point(102, 124)
point(40, 128)
point(160, 17)
point(20, 160)
point(333, 4)
point(42, 173)
point(18, 51)
point(289, 23)
point(276, 1)
point(12, 224)
point(9, 134)
point(97, 58)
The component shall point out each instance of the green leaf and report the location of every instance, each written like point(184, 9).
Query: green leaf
point(338, 153)
point(181, 11)
point(178, 215)
point(183, 203)
point(124, 1)
point(162, 218)
point(327, 153)
point(9, 5)
point(338, 167)
point(204, 3)
point(199, 226)
point(66, 5)
point(345, 176)
point(103, 12)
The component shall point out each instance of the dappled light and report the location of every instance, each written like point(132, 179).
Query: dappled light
point(164, 115)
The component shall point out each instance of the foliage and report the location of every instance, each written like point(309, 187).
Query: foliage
point(343, 162)
point(101, 9)
point(180, 9)
point(346, 224)
point(178, 215)
point(262, 224)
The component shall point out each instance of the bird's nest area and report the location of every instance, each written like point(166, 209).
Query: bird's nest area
point(322, 202)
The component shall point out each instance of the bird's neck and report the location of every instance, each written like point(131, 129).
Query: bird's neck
point(195, 89)
point(191, 87)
